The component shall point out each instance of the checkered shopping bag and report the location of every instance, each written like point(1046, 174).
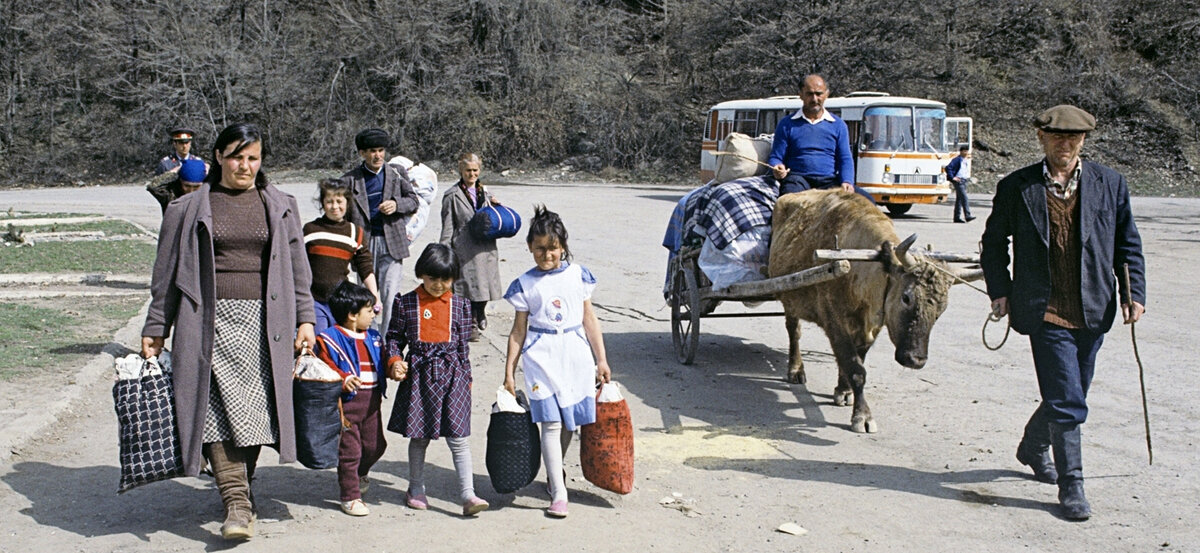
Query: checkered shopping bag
point(149, 440)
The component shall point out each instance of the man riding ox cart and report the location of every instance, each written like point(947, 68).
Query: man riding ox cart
point(728, 227)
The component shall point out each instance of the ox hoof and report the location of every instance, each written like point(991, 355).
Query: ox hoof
point(842, 399)
point(864, 426)
point(797, 377)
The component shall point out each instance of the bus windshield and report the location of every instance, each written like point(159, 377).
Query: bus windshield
point(887, 128)
point(931, 136)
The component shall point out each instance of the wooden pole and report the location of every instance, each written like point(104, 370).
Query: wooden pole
point(780, 284)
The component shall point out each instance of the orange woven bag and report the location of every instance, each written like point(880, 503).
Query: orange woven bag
point(606, 446)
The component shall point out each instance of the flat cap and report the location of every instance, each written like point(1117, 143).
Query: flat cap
point(1065, 119)
point(372, 138)
point(177, 131)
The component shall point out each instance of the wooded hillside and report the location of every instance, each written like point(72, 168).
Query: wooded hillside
point(91, 86)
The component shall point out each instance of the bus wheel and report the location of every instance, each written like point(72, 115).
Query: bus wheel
point(898, 209)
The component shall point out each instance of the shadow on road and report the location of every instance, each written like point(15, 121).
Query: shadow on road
point(735, 385)
point(859, 475)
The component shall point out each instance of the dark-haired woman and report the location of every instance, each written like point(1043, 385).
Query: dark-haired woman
point(480, 263)
point(230, 278)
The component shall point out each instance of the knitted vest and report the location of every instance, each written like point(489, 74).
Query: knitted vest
point(1065, 307)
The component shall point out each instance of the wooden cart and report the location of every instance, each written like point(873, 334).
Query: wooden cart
point(692, 297)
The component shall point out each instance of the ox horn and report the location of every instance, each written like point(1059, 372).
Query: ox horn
point(902, 249)
point(967, 275)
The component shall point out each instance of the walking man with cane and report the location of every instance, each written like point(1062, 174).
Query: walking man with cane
point(1072, 232)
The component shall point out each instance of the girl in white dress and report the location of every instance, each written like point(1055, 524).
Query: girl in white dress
point(557, 332)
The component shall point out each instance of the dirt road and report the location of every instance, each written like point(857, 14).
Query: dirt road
point(742, 451)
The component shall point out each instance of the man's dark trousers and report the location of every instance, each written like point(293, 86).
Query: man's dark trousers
point(798, 183)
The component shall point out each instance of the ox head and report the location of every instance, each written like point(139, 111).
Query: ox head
point(917, 294)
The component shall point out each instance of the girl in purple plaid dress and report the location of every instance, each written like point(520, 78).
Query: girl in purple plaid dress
point(434, 398)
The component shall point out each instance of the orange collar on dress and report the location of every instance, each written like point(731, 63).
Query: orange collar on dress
point(425, 297)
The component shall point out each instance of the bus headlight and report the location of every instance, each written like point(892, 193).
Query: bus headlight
point(887, 178)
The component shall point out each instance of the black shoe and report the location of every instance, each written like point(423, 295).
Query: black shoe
point(1074, 504)
point(1041, 463)
point(959, 221)
point(970, 218)
point(482, 322)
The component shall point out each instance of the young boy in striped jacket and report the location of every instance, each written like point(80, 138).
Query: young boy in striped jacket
point(352, 348)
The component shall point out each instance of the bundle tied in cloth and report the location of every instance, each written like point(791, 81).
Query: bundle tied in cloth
point(606, 446)
point(514, 447)
point(742, 156)
point(317, 404)
point(145, 403)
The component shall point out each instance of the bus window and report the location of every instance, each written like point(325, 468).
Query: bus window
point(888, 128)
point(745, 121)
point(768, 119)
point(930, 125)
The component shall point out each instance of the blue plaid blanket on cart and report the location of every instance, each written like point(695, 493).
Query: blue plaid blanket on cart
point(722, 212)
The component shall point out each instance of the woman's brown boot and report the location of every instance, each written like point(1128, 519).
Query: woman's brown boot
point(230, 470)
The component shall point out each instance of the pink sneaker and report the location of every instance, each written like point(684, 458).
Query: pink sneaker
point(474, 506)
point(558, 509)
point(418, 501)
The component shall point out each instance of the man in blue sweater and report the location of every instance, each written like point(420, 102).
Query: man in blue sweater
point(811, 149)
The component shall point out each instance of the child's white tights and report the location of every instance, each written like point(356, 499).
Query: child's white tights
point(554, 449)
point(459, 450)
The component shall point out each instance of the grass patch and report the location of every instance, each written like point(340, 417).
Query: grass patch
point(101, 256)
point(58, 335)
point(111, 227)
point(18, 215)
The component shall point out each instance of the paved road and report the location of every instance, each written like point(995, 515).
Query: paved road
point(744, 451)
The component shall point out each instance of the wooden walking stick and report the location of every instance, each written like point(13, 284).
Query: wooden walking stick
point(1141, 371)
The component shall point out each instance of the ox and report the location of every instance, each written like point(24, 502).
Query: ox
point(905, 292)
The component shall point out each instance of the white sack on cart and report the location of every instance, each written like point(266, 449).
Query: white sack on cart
point(743, 260)
point(742, 152)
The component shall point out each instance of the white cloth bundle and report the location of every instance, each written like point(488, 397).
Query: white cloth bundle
point(506, 402)
point(133, 366)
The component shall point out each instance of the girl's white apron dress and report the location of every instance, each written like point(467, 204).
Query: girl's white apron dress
point(560, 372)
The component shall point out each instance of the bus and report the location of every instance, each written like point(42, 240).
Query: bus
point(900, 145)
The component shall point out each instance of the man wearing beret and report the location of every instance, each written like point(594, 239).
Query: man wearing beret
point(1072, 234)
point(383, 200)
point(181, 140)
point(170, 185)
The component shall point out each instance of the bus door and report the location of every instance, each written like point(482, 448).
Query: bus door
point(958, 132)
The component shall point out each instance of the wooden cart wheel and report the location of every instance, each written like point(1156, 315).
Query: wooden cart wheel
point(685, 313)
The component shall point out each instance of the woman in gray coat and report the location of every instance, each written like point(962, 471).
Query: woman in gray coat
point(480, 280)
point(231, 278)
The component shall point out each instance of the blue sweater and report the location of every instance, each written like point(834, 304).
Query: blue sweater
point(953, 168)
point(820, 150)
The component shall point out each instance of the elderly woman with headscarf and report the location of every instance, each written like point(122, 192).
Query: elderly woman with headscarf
point(480, 280)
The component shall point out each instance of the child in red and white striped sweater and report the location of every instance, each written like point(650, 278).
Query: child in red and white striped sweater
point(334, 245)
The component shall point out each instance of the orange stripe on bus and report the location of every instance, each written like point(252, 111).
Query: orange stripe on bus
point(904, 156)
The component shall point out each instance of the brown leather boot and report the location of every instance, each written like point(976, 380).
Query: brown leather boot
point(230, 470)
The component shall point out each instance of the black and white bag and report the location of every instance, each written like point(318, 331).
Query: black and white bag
point(149, 439)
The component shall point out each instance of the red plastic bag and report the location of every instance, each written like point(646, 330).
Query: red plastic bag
point(606, 446)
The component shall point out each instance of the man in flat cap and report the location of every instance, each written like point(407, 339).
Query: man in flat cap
point(181, 141)
point(1073, 235)
point(383, 200)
